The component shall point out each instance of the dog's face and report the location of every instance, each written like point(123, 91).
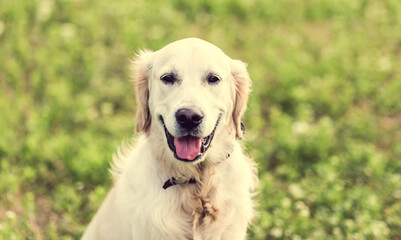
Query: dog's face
point(188, 91)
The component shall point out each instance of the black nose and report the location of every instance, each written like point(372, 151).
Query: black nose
point(188, 118)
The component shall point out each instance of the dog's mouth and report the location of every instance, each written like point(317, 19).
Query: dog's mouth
point(189, 148)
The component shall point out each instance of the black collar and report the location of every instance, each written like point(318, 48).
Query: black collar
point(173, 181)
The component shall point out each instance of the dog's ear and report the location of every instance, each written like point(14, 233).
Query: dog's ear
point(141, 70)
point(242, 89)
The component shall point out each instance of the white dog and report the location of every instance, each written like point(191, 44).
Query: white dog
point(187, 176)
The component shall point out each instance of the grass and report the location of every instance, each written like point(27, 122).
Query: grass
point(323, 123)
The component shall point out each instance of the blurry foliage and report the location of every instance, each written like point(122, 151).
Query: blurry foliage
point(323, 121)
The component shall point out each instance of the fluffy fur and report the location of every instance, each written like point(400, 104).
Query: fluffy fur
point(219, 205)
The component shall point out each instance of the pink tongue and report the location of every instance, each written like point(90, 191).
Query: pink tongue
point(187, 147)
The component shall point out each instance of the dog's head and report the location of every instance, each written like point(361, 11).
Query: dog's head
point(187, 92)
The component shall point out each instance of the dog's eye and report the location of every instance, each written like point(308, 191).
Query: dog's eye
point(213, 78)
point(168, 78)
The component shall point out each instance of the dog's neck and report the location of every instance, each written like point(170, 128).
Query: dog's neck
point(172, 181)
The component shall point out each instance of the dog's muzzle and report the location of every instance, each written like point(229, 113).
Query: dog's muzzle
point(189, 148)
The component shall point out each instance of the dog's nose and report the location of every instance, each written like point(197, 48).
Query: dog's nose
point(188, 118)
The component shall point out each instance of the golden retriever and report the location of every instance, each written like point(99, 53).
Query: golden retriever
point(187, 176)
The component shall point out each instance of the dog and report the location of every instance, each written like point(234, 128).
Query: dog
point(187, 176)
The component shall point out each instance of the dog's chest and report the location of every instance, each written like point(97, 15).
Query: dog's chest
point(197, 206)
point(181, 213)
point(200, 211)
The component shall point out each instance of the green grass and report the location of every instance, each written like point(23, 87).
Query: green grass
point(323, 123)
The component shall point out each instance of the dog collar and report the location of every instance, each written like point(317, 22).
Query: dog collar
point(173, 181)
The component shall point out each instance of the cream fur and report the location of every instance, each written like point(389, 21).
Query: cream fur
point(219, 205)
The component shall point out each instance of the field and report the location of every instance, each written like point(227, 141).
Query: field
point(323, 122)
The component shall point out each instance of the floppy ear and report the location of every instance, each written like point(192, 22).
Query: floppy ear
point(242, 89)
point(141, 68)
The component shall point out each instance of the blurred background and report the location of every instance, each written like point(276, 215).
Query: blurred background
point(323, 120)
